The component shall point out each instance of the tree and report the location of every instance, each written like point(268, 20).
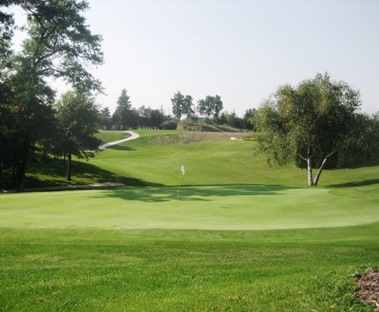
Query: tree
point(58, 44)
point(249, 119)
point(205, 106)
point(77, 118)
point(7, 129)
point(6, 32)
point(182, 105)
point(211, 105)
point(309, 123)
point(217, 107)
point(122, 116)
point(232, 120)
point(188, 106)
point(157, 117)
point(150, 118)
point(105, 118)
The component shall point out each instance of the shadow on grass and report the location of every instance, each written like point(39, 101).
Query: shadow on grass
point(52, 172)
point(356, 183)
point(196, 193)
point(120, 148)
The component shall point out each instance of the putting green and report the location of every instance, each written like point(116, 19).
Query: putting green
point(223, 207)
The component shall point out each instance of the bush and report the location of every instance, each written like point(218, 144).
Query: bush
point(171, 124)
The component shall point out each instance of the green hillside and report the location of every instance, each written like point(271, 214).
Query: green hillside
point(209, 159)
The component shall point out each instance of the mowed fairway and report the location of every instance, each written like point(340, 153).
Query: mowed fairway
point(239, 235)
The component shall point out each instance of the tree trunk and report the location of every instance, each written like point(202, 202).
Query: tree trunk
point(68, 176)
point(317, 177)
point(309, 169)
point(20, 176)
point(14, 170)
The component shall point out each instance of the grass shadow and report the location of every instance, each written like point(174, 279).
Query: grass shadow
point(356, 183)
point(52, 173)
point(195, 193)
point(120, 148)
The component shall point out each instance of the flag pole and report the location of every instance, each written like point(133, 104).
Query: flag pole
point(182, 171)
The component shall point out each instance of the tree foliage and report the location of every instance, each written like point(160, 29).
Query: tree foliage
point(58, 45)
point(123, 116)
point(312, 122)
point(77, 119)
point(182, 105)
point(210, 106)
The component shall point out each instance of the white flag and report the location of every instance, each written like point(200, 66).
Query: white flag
point(183, 170)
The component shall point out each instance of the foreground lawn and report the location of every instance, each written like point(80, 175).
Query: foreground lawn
point(184, 270)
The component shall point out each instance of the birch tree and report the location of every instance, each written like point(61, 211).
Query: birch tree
point(310, 123)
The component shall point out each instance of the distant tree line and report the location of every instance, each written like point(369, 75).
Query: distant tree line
point(127, 117)
point(208, 111)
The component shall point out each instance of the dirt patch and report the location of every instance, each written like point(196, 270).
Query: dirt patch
point(368, 289)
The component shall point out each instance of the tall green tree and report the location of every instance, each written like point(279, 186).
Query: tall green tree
point(310, 123)
point(249, 119)
point(105, 118)
point(123, 117)
point(210, 106)
point(7, 129)
point(6, 32)
point(58, 44)
point(78, 119)
point(187, 107)
point(182, 105)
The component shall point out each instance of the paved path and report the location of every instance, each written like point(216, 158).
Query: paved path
point(133, 136)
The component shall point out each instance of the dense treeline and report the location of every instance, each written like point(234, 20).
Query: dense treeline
point(208, 111)
point(58, 43)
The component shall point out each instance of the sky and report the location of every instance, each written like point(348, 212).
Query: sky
point(241, 50)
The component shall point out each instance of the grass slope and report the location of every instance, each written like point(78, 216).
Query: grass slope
point(242, 237)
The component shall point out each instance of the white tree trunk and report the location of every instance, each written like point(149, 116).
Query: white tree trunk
point(309, 168)
point(317, 177)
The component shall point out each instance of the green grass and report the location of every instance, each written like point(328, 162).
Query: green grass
point(111, 136)
point(243, 236)
point(223, 207)
point(179, 270)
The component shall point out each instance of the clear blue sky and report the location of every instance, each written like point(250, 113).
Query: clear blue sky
point(241, 50)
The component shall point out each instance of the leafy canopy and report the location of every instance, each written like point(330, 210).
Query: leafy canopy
point(310, 122)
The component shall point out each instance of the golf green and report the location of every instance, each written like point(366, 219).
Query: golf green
point(223, 207)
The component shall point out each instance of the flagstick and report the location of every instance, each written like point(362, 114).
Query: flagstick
point(177, 196)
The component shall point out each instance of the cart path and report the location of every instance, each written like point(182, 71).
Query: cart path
point(133, 136)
